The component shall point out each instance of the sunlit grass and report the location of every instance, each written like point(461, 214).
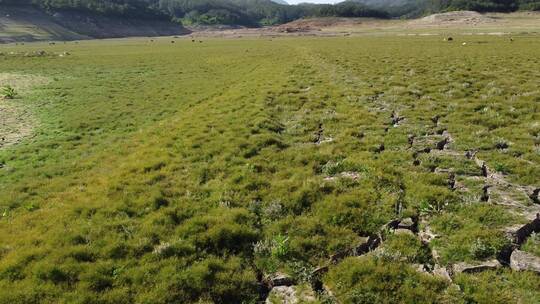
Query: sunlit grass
point(162, 172)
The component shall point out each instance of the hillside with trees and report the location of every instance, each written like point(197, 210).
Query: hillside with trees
point(207, 12)
point(266, 12)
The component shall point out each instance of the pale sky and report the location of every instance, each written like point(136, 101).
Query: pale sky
point(312, 1)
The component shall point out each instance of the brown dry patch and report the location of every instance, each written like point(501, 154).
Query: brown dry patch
point(16, 120)
point(16, 123)
point(21, 82)
point(457, 18)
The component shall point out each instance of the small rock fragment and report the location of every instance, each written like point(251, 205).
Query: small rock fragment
point(280, 279)
point(403, 231)
point(522, 261)
point(442, 273)
point(472, 268)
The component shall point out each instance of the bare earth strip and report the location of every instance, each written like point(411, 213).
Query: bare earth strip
point(461, 22)
point(16, 120)
point(15, 123)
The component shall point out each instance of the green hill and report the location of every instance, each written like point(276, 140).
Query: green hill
point(28, 23)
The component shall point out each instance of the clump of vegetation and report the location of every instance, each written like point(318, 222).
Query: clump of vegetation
point(532, 244)
point(405, 248)
point(500, 286)
point(366, 280)
point(8, 92)
point(471, 233)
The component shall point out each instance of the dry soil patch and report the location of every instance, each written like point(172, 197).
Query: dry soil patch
point(16, 119)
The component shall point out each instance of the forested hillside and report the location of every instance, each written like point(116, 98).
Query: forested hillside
point(242, 12)
point(267, 12)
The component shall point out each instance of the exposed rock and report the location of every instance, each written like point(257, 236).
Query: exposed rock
point(441, 145)
point(501, 145)
point(396, 119)
point(435, 254)
point(426, 235)
point(348, 174)
point(472, 268)
point(282, 294)
point(485, 193)
point(485, 171)
point(407, 223)
point(419, 267)
point(521, 261)
point(470, 154)
point(535, 196)
point(519, 234)
point(340, 256)
point(159, 249)
point(319, 271)
point(452, 181)
point(403, 231)
point(410, 140)
point(393, 224)
point(290, 295)
point(367, 245)
point(442, 273)
point(319, 134)
point(280, 279)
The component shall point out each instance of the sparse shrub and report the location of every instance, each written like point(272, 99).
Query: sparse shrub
point(51, 273)
point(481, 249)
point(280, 246)
point(31, 206)
point(82, 254)
point(532, 244)
point(406, 248)
point(502, 168)
point(99, 278)
point(332, 168)
point(8, 92)
point(273, 211)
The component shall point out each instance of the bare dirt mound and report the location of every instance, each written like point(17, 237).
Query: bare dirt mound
point(316, 24)
point(15, 123)
point(454, 18)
